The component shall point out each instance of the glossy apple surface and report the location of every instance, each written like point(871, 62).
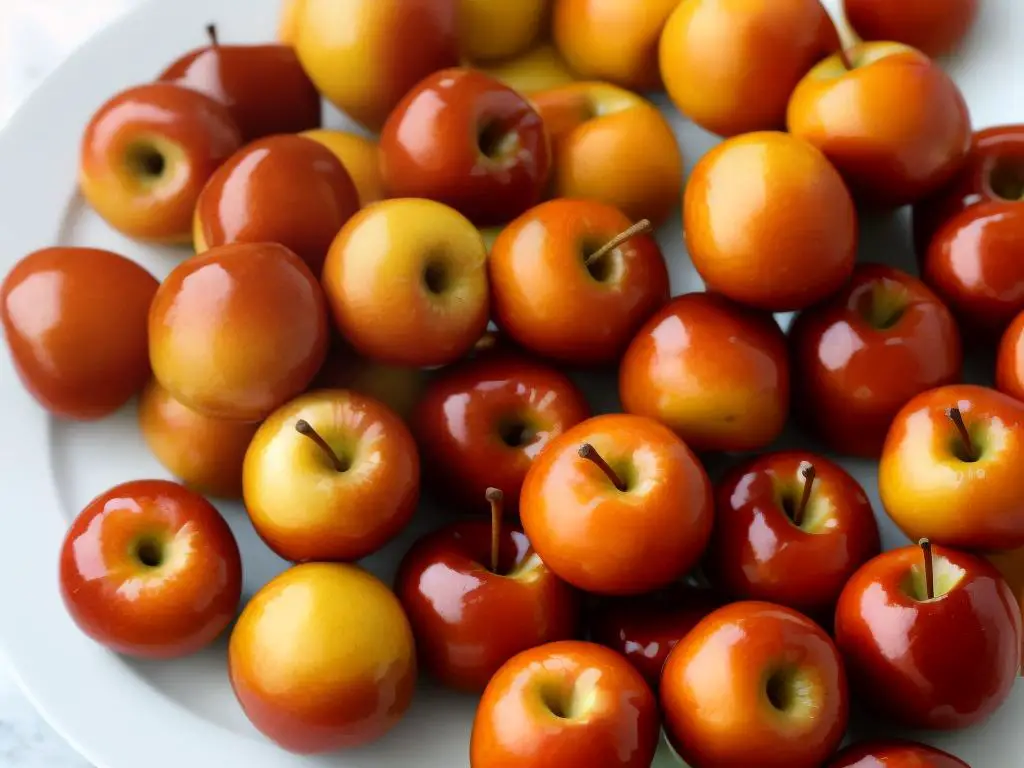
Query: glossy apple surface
point(894, 754)
point(934, 27)
point(359, 155)
point(769, 222)
point(78, 359)
point(862, 354)
point(496, 30)
point(150, 569)
point(1010, 565)
point(1010, 360)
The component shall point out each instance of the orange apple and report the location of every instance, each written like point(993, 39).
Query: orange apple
point(288, 21)
point(1010, 360)
point(359, 156)
point(538, 69)
point(492, 30)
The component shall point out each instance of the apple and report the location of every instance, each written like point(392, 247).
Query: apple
point(237, 331)
point(572, 704)
point(263, 86)
point(596, 156)
point(323, 658)
point(617, 505)
point(889, 118)
point(496, 30)
point(417, 255)
point(282, 189)
point(931, 637)
point(934, 27)
point(769, 222)
point(467, 140)
point(862, 354)
point(75, 356)
point(288, 21)
point(755, 684)
point(359, 155)
point(146, 154)
point(573, 280)
point(1010, 565)
point(399, 387)
point(150, 569)
point(1010, 360)
point(538, 69)
point(894, 754)
point(731, 65)
point(950, 468)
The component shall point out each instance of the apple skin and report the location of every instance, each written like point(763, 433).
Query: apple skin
point(314, 512)
point(150, 569)
point(934, 27)
point(769, 222)
point(481, 423)
point(720, 38)
point(288, 21)
point(238, 330)
point(398, 387)
point(359, 155)
point(717, 685)
point(1010, 360)
point(930, 491)
point(1010, 565)
point(468, 620)
point(540, 68)
point(612, 542)
point(715, 372)
point(593, 128)
point(939, 664)
point(78, 359)
point(466, 140)
point(496, 30)
point(757, 551)
point(896, 126)
point(572, 704)
point(863, 353)
point(146, 154)
point(309, 687)
point(895, 754)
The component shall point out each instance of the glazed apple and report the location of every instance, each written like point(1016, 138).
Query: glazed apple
point(492, 30)
point(573, 280)
point(891, 120)
point(399, 387)
point(481, 423)
point(617, 505)
point(146, 154)
point(715, 372)
point(359, 155)
point(150, 569)
point(731, 65)
point(237, 331)
point(282, 189)
point(790, 528)
point(950, 468)
point(593, 129)
point(464, 139)
point(263, 86)
point(894, 754)
point(476, 595)
point(572, 704)
point(78, 359)
point(862, 354)
point(1010, 360)
point(365, 55)
point(755, 684)
point(540, 68)
point(931, 637)
point(331, 475)
point(934, 27)
point(420, 256)
point(769, 222)
point(339, 672)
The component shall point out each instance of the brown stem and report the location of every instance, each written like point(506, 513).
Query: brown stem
point(304, 428)
point(844, 57)
point(808, 475)
point(929, 568)
point(957, 418)
point(589, 452)
point(495, 497)
point(642, 227)
point(211, 32)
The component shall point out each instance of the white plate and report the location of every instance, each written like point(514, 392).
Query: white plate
point(122, 714)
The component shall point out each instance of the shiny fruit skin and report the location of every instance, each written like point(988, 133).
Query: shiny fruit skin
point(713, 371)
point(934, 27)
point(538, 69)
point(433, 146)
point(1010, 565)
point(238, 330)
point(78, 359)
point(769, 222)
point(497, 30)
point(514, 724)
point(162, 611)
point(1010, 360)
point(555, 306)
point(365, 55)
point(855, 368)
point(359, 155)
point(707, 49)
point(713, 690)
point(323, 658)
point(467, 620)
point(191, 132)
point(609, 542)
point(889, 641)
point(894, 754)
point(896, 127)
point(481, 423)
point(204, 453)
point(283, 189)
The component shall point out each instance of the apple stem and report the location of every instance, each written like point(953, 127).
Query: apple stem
point(844, 58)
point(495, 497)
point(211, 32)
point(929, 568)
point(807, 473)
point(642, 227)
point(589, 452)
point(304, 428)
point(957, 418)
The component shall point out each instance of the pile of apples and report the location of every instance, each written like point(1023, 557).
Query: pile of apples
point(329, 348)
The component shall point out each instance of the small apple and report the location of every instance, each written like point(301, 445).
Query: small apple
point(934, 27)
point(359, 155)
point(538, 69)
point(894, 754)
point(496, 30)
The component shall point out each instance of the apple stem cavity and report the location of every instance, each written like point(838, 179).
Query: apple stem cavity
point(211, 32)
point(589, 452)
point(957, 418)
point(495, 497)
point(642, 227)
point(929, 568)
point(807, 473)
point(304, 428)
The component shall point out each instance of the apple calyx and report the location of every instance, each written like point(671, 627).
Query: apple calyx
point(589, 452)
point(305, 429)
point(929, 568)
point(495, 497)
point(211, 32)
point(807, 473)
point(642, 227)
point(969, 452)
point(149, 551)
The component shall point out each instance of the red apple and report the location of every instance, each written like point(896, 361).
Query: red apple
point(894, 754)
point(934, 27)
point(1010, 360)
